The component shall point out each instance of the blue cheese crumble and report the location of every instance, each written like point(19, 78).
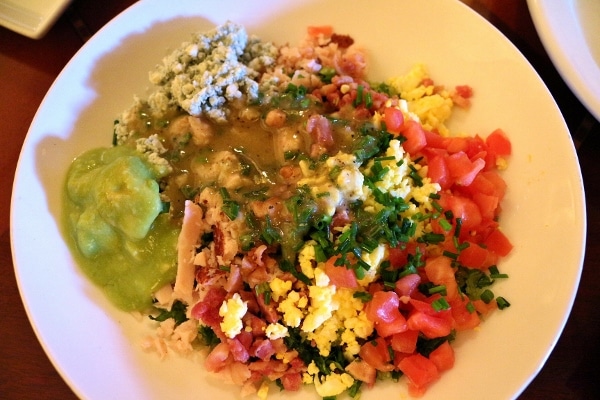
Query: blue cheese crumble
point(211, 69)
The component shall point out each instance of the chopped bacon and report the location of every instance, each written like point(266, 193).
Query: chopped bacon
point(250, 299)
point(239, 372)
point(207, 310)
point(343, 41)
point(319, 129)
point(292, 381)
point(234, 282)
point(217, 358)
point(238, 351)
point(262, 348)
point(362, 371)
point(257, 324)
point(269, 310)
point(352, 63)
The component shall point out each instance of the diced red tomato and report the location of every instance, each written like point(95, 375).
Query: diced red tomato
point(498, 243)
point(383, 311)
point(498, 143)
point(437, 171)
point(482, 308)
point(476, 256)
point(394, 119)
point(405, 342)
point(463, 170)
point(463, 208)
point(415, 137)
point(376, 354)
point(443, 357)
point(340, 276)
point(439, 271)
point(463, 318)
point(457, 144)
point(420, 370)
point(432, 326)
point(487, 204)
point(407, 285)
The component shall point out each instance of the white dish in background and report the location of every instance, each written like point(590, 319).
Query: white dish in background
point(31, 18)
point(570, 34)
point(95, 347)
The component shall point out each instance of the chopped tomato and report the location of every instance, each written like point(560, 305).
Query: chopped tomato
point(405, 342)
point(499, 143)
point(407, 285)
point(419, 370)
point(383, 311)
point(394, 119)
point(463, 208)
point(476, 256)
point(498, 243)
point(415, 137)
point(340, 276)
point(432, 326)
point(439, 271)
point(375, 352)
point(463, 170)
point(443, 357)
point(437, 171)
point(463, 318)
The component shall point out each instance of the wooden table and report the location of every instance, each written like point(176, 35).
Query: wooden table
point(28, 68)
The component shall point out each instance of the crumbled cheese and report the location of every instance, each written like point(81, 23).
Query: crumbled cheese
point(232, 311)
point(213, 68)
point(338, 179)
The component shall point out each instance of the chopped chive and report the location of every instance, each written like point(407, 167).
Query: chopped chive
point(502, 303)
point(445, 225)
point(440, 304)
point(441, 289)
point(487, 296)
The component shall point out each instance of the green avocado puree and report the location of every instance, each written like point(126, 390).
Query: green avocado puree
point(114, 218)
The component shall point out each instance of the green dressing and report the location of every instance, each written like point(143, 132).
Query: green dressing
point(113, 215)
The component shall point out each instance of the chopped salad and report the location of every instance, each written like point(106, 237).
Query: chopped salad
point(330, 229)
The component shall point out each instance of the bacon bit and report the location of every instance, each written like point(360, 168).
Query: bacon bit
point(217, 358)
point(234, 282)
point(292, 381)
point(290, 173)
point(352, 63)
point(238, 351)
point(258, 325)
point(262, 348)
point(362, 371)
point(269, 311)
point(239, 373)
point(250, 299)
point(343, 41)
point(245, 338)
point(207, 310)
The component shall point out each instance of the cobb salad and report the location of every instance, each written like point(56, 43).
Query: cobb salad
point(271, 206)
